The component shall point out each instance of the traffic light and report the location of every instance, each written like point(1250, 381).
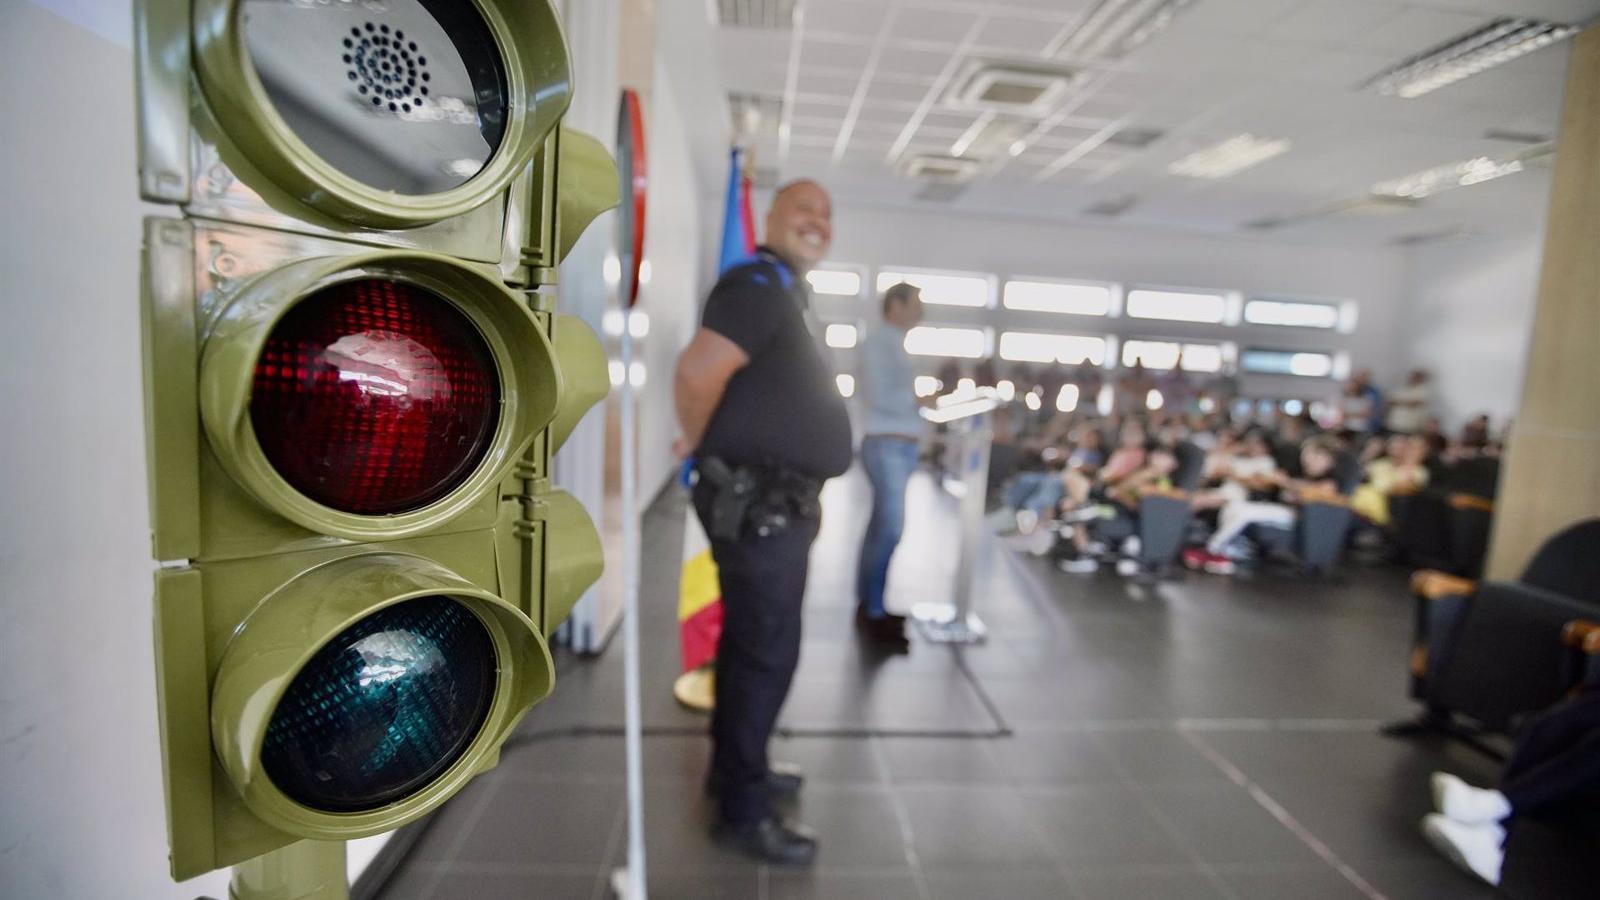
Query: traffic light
point(355, 380)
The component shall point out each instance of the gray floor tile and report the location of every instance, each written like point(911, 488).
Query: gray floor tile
point(544, 822)
point(953, 826)
point(826, 885)
point(990, 883)
point(1185, 882)
point(1106, 825)
point(1300, 882)
point(1220, 823)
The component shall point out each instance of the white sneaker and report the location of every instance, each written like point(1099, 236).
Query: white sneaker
point(1040, 540)
point(1475, 848)
point(1132, 546)
point(1002, 521)
point(1083, 565)
point(1127, 568)
point(1027, 521)
point(1455, 799)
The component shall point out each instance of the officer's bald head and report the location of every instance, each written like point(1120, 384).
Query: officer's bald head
point(800, 223)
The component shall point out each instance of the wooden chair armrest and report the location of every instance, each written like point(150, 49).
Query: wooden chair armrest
point(1169, 493)
point(1471, 501)
point(1433, 585)
point(1326, 498)
point(1405, 490)
point(1577, 635)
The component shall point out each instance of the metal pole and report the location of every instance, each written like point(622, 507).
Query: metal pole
point(632, 715)
point(305, 870)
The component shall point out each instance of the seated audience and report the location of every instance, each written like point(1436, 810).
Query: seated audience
point(1317, 463)
point(1400, 470)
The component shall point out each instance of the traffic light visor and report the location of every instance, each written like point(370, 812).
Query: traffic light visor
point(366, 691)
point(374, 396)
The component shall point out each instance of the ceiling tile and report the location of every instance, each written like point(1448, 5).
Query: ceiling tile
point(1333, 21)
point(932, 25)
point(1016, 37)
point(905, 61)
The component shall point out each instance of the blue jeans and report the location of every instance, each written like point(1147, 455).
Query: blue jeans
point(889, 462)
point(1038, 491)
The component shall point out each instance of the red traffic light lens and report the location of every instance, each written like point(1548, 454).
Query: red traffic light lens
point(375, 397)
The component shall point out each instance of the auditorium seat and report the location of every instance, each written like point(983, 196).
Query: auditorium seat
point(1551, 857)
point(1318, 537)
point(1491, 652)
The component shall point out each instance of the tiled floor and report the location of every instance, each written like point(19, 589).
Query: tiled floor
point(1209, 738)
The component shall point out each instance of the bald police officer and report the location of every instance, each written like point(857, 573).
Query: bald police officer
point(761, 415)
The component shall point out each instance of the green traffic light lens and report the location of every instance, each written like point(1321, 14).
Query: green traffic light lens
point(384, 708)
point(407, 96)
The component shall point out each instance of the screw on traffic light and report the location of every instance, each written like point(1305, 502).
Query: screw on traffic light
point(355, 380)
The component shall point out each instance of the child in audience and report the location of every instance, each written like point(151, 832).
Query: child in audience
point(1400, 470)
point(1121, 504)
point(1318, 457)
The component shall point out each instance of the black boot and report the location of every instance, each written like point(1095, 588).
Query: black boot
point(770, 840)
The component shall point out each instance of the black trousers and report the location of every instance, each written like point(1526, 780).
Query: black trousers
point(1557, 759)
point(763, 583)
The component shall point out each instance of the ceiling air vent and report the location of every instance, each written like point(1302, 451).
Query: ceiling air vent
point(940, 192)
point(941, 169)
point(753, 115)
point(1135, 138)
point(1015, 89)
point(773, 14)
point(1111, 207)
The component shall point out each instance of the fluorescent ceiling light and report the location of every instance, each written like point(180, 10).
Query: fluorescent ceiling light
point(1043, 347)
point(926, 340)
point(841, 336)
point(846, 385)
point(1451, 175)
point(838, 282)
point(1230, 157)
point(1290, 314)
point(1498, 42)
point(1117, 27)
point(940, 289)
point(1057, 297)
point(1177, 306)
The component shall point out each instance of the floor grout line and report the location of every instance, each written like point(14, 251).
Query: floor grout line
point(1166, 824)
point(902, 816)
point(1278, 812)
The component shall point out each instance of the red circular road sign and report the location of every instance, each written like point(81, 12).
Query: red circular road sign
point(633, 168)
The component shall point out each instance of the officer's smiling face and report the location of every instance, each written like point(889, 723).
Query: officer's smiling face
point(800, 224)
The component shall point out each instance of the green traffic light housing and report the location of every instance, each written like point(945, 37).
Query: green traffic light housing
point(355, 380)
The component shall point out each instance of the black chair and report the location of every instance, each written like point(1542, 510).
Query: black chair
point(1322, 528)
point(1164, 516)
point(1447, 526)
point(1551, 855)
point(1490, 653)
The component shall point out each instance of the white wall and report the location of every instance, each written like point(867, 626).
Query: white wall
point(1469, 319)
point(675, 235)
point(1373, 277)
point(81, 810)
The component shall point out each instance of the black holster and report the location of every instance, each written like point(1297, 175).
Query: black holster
point(760, 500)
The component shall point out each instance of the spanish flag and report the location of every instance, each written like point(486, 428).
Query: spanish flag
point(699, 617)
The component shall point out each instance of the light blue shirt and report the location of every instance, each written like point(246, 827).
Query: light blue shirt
point(887, 391)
